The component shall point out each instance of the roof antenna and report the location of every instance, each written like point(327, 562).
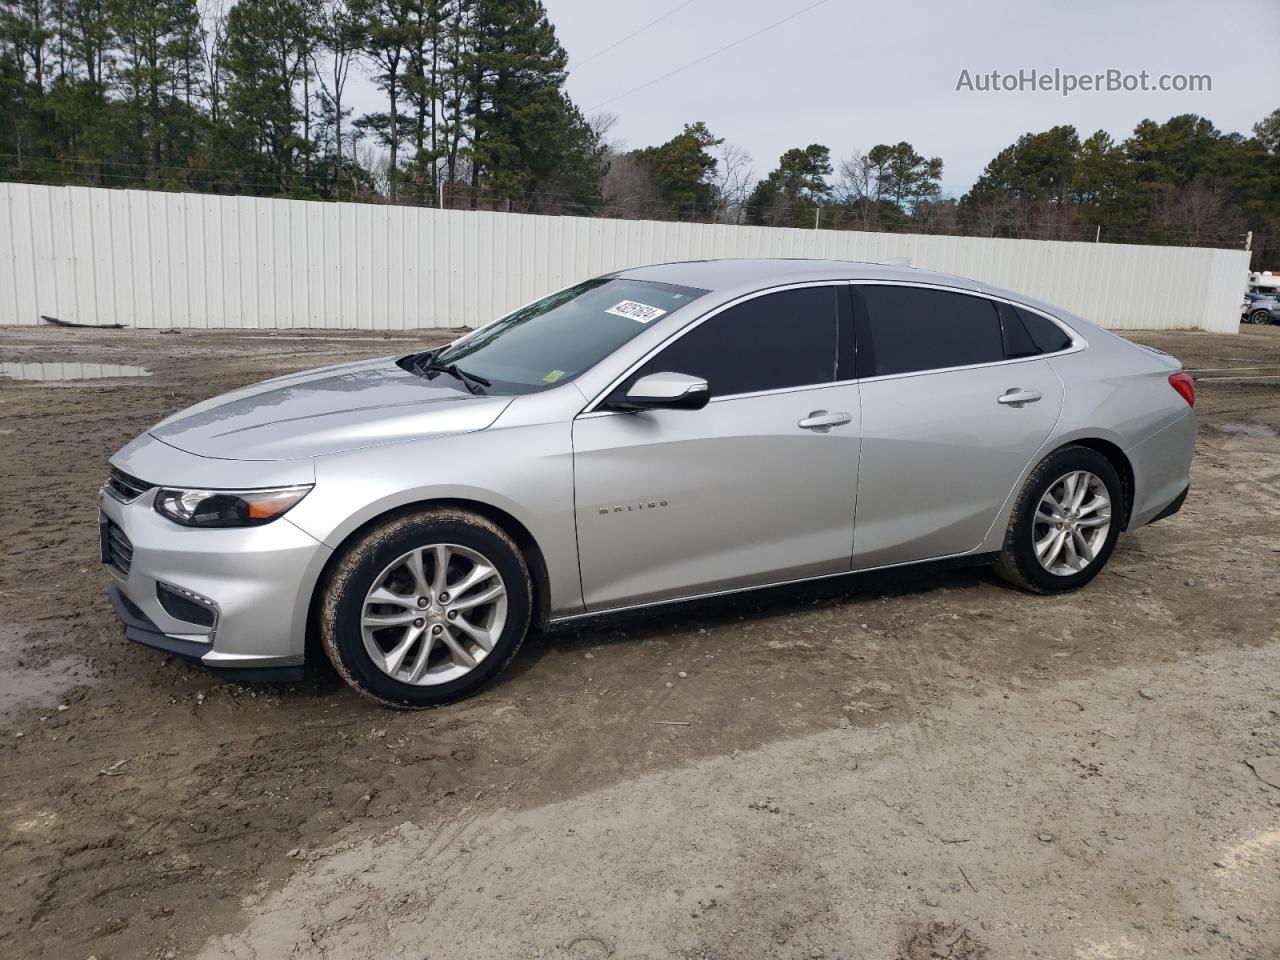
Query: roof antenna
point(896, 262)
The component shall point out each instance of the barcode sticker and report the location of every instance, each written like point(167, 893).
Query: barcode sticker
point(640, 312)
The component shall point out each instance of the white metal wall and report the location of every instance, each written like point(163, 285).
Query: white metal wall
point(151, 259)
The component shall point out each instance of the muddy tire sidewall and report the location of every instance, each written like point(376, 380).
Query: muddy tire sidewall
point(1018, 561)
point(342, 603)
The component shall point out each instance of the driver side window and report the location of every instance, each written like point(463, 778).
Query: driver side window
point(771, 342)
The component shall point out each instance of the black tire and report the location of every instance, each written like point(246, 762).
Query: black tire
point(1260, 316)
point(1017, 562)
point(342, 603)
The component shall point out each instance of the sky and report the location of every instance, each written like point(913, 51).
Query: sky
point(853, 74)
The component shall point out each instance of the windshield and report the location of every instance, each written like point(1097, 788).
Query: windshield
point(559, 337)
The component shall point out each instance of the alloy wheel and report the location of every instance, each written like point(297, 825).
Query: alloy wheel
point(434, 614)
point(1071, 523)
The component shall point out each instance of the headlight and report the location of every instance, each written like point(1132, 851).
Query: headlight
point(227, 508)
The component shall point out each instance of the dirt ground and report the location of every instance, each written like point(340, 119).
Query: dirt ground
point(907, 767)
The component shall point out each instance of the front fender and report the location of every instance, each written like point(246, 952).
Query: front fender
point(525, 471)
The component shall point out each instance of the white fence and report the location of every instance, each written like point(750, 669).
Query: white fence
point(150, 259)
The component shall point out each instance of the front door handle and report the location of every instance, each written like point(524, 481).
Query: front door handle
point(1016, 395)
point(821, 420)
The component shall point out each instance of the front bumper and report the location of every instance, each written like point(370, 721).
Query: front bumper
point(138, 628)
point(257, 580)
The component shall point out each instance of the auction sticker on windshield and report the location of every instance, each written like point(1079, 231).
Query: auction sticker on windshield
point(640, 312)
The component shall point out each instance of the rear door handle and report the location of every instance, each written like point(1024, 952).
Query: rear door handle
point(821, 420)
point(1017, 395)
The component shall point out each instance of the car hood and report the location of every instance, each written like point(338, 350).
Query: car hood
point(325, 411)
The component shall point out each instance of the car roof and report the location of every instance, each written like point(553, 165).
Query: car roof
point(730, 278)
point(759, 273)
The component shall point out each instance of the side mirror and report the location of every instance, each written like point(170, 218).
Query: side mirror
point(666, 391)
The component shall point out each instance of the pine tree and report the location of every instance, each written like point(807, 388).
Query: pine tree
point(386, 30)
point(681, 169)
point(267, 54)
point(514, 72)
point(157, 64)
point(790, 195)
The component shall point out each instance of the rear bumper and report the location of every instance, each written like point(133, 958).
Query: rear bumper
point(1174, 506)
point(1162, 470)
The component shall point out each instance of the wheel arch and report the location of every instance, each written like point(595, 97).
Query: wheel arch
point(1118, 459)
point(524, 539)
point(1090, 439)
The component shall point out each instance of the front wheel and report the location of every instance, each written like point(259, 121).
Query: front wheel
point(426, 608)
point(1065, 523)
point(1260, 316)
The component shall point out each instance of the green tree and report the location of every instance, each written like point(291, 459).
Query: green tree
point(681, 170)
point(338, 38)
point(1183, 149)
point(905, 177)
point(1038, 166)
point(1103, 183)
point(521, 122)
point(427, 65)
point(27, 127)
point(883, 187)
point(157, 65)
point(1267, 132)
point(1025, 191)
point(790, 194)
point(386, 29)
point(267, 50)
point(1262, 209)
point(1196, 183)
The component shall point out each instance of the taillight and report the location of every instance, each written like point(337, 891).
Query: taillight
point(1185, 385)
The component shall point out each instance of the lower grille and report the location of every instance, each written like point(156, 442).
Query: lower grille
point(117, 550)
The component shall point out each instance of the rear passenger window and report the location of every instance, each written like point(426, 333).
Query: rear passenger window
point(905, 329)
point(778, 340)
point(1046, 334)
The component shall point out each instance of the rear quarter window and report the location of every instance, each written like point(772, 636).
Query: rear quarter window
point(1044, 333)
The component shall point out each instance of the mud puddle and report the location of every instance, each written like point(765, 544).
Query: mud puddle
point(1249, 429)
point(30, 679)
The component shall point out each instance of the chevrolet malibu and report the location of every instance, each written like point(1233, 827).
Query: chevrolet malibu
point(654, 435)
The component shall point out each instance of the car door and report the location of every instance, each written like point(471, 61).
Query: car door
point(951, 417)
point(758, 486)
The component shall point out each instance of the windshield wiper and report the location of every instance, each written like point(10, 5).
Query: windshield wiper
point(426, 363)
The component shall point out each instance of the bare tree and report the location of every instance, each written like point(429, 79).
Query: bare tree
point(1196, 210)
point(340, 44)
point(936, 215)
point(601, 122)
point(860, 188)
point(213, 40)
point(627, 186)
point(376, 163)
point(733, 181)
point(383, 38)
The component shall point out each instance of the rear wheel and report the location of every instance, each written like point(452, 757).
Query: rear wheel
point(1065, 523)
point(427, 608)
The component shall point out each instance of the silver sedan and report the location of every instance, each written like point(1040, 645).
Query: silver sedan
point(654, 435)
